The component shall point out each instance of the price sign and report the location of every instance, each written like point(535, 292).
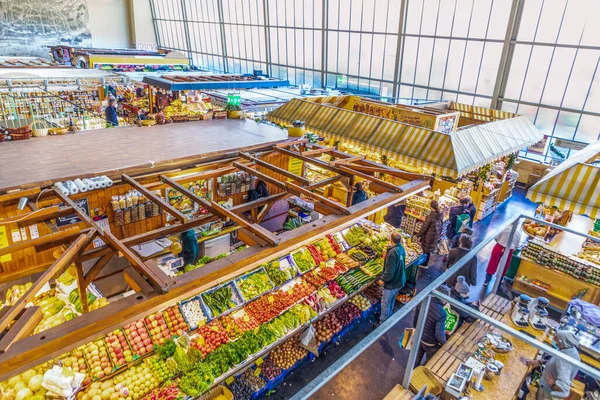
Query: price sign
point(229, 380)
point(246, 318)
point(214, 328)
point(259, 362)
point(271, 299)
point(257, 372)
point(201, 340)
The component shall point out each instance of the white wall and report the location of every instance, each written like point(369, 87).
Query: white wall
point(143, 28)
point(109, 23)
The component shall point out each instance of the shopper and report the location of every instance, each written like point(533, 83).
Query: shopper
point(498, 251)
point(465, 230)
point(394, 276)
point(189, 244)
point(434, 330)
point(558, 375)
point(461, 215)
point(430, 231)
point(112, 118)
point(461, 292)
point(469, 270)
point(359, 194)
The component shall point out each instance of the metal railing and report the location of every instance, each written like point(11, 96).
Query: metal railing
point(423, 298)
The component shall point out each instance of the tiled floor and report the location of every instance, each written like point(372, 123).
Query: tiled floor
point(375, 372)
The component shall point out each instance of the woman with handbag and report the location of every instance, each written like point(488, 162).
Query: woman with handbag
point(431, 231)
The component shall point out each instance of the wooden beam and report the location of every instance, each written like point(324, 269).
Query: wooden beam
point(314, 161)
point(316, 152)
point(293, 142)
point(258, 203)
point(81, 287)
point(59, 265)
point(41, 215)
point(344, 161)
point(329, 203)
point(24, 326)
point(275, 169)
point(260, 175)
point(50, 238)
point(156, 276)
point(96, 269)
point(12, 196)
point(136, 281)
point(155, 199)
point(263, 213)
point(325, 182)
point(390, 186)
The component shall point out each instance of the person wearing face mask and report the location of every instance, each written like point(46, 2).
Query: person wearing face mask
point(558, 375)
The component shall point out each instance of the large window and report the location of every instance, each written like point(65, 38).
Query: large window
point(538, 58)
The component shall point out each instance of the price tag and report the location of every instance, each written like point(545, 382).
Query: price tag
point(259, 362)
point(257, 372)
point(229, 380)
point(291, 291)
point(215, 328)
point(246, 318)
point(271, 299)
point(201, 340)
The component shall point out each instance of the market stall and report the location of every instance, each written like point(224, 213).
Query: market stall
point(236, 309)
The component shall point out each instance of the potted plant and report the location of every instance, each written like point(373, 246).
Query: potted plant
point(233, 111)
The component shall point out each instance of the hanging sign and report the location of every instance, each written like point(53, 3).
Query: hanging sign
point(569, 144)
point(295, 166)
point(539, 147)
point(234, 99)
point(73, 218)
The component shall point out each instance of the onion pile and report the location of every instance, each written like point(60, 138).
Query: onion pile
point(255, 383)
point(286, 355)
point(335, 290)
point(346, 313)
point(325, 328)
point(270, 370)
point(240, 390)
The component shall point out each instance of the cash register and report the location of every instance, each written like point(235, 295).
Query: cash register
point(583, 319)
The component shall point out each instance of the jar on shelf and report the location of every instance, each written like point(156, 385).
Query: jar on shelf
point(119, 218)
point(141, 211)
point(127, 216)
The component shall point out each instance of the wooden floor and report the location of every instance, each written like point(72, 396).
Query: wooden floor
point(43, 160)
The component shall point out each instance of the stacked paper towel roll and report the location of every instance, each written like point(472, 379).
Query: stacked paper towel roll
point(62, 188)
point(71, 187)
point(88, 184)
point(80, 185)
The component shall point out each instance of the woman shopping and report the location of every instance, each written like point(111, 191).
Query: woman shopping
point(430, 231)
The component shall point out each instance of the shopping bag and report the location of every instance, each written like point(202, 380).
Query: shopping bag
point(443, 247)
point(462, 220)
point(308, 340)
point(406, 340)
point(452, 319)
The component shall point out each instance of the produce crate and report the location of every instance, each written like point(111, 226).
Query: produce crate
point(238, 280)
point(303, 249)
point(236, 298)
point(202, 307)
point(413, 268)
point(275, 382)
point(285, 263)
point(219, 390)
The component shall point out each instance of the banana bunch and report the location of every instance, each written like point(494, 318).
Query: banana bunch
point(101, 302)
point(51, 306)
point(69, 276)
point(76, 300)
point(16, 292)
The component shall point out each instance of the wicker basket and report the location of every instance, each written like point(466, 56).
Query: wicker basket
point(207, 116)
point(422, 376)
point(148, 122)
point(39, 128)
point(20, 136)
point(180, 118)
point(19, 130)
point(58, 131)
point(219, 390)
point(195, 117)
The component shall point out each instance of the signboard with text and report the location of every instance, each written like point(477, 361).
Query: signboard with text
point(73, 218)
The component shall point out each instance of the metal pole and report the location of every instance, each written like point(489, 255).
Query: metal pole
point(267, 26)
point(416, 341)
point(223, 41)
point(399, 49)
point(324, 42)
point(504, 257)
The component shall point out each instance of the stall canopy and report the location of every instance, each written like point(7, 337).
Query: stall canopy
point(452, 155)
point(213, 82)
point(573, 185)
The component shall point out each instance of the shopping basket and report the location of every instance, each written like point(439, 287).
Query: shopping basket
point(39, 128)
point(219, 390)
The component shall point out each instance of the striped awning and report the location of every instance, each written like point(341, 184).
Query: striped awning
point(573, 185)
point(452, 155)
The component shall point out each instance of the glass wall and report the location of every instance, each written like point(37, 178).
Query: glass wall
point(538, 58)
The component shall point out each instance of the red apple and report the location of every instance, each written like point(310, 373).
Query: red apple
point(149, 347)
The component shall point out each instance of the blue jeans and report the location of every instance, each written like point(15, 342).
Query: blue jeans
point(388, 300)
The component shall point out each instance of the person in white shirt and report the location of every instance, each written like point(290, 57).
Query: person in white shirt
point(498, 251)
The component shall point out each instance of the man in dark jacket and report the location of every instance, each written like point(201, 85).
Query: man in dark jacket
point(359, 194)
point(394, 276)
point(469, 270)
point(189, 245)
point(434, 330)
point(112, 118)
point(430, 231)
point(459, 215)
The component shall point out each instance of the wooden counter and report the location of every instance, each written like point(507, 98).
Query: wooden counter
point(399, 393)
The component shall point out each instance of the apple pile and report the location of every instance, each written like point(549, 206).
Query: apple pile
point(138, 338)
point(157, 326)
point(210, 337)
point(159, 369)
point(76, 363)
point(118, 348)
point(175, 321)
point(97, 358)
point(132, 384)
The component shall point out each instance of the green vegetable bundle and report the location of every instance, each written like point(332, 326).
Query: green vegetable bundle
point(219, 301)
point(254, 285)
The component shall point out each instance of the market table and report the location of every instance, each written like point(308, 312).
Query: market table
point(463, 343)
point(399, 393)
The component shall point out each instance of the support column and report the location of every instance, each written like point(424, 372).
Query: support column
point(416, 341)
point(399, 50)
point(223, 41)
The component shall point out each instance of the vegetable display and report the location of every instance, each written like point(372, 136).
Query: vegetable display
point(175, 321)
point(361, 302)
point(304, 261)
point(254, 284)
point(326, 327)
point(280, 271)
point(286, 355)
point(220, 300)
point(192, 309)
point(355, 235)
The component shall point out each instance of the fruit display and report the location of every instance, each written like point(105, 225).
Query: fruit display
point(133, 383)
point(43, 296)
point(192, 310)
point(252, 380)
point(138, 338)
point(232, 329)
point(540, 285)
point(361, 302)
point(210, 337)
point(168, 392)
point(76, 363)
point(347, 260)
point(355, 235)
point(54, 313)
point(97, 358)
point(240, 390)
point(26, 386)
point(303, 260)
point(288, 354)
point(335, 290)
point(98, 303)
point(281, 271)
point(70, 275)
point(15, 292)
point(221, 299)
point(346, 313)
point(326, 327)
point(325, 249)
point(334, 244)
point(254, 284)
point(158, 367)
point(314, 278)
point(157, 328)
point(373, 268)
point(270, 370)
point(373, 293)
point(175, 321)
point(534, 229)
point(118, 348)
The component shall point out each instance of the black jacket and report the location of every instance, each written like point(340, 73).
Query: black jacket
point(469, 270)
point(466, 317)
point(434, 331)
point(430, 231)
point(394, 274)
